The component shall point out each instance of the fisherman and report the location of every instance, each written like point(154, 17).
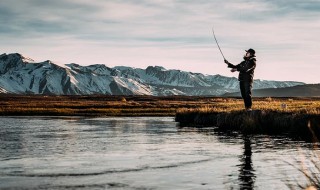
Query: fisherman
point(246, 71)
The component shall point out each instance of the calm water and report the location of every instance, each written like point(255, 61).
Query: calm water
point(143, 153)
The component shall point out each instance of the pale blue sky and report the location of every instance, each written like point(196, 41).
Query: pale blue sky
point(175, 34)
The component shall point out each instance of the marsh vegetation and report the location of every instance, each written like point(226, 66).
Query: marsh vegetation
point(146, 105)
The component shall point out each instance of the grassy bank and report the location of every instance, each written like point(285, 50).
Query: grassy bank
point(294, 117)
point(36, 105)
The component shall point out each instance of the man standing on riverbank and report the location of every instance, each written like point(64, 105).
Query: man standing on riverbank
point(246, 72)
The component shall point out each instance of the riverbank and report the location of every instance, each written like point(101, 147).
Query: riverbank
point(298, 119)
point(293, 116)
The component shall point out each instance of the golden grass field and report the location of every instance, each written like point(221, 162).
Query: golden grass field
point(144, 105)
point(88, 105)
point(288, 105)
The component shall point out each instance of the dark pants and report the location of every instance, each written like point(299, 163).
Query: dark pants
point(245, 88)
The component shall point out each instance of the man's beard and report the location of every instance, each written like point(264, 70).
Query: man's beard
point(245, 58)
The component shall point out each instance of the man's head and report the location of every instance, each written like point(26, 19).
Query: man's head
point(251, 52)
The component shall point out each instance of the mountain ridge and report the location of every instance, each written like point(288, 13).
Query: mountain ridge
point(22, 75)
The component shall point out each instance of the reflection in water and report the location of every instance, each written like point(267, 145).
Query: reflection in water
point(246, 176)
point(138, 153)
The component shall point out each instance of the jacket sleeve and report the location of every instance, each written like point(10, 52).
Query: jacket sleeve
point(232, 66)
point(248, 67)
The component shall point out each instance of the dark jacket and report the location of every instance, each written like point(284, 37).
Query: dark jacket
point(246, 69)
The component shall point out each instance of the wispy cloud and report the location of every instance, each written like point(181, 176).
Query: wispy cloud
point(172, 33)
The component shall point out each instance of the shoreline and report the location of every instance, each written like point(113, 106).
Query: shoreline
point(295, 116)
point(298, 125)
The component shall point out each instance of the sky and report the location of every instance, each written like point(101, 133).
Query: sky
point(175, 34)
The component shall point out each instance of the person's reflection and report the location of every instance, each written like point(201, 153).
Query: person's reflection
point(246, 175)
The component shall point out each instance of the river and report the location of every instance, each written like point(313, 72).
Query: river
point(144, 153)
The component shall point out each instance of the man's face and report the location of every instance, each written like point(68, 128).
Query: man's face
point(247, 54)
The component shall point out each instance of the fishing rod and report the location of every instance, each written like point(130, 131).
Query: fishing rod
point(217, 43)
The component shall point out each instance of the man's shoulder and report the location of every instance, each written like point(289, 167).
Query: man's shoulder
point(253, 59)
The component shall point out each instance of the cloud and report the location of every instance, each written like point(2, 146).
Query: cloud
point(166, 32)
point(36, 17)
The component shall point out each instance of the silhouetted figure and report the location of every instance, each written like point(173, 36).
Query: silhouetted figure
point(246, 71)
point(246, 171)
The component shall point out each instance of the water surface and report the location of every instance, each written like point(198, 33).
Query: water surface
point(143, 153)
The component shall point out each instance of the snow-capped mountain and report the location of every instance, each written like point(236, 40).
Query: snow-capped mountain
point(22, 75)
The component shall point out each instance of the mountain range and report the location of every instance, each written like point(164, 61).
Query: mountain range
point(22, 75)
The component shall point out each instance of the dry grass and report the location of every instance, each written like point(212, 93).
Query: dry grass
point(309, 106)
point(269, 116)
point(95, 105)
point(145, 105)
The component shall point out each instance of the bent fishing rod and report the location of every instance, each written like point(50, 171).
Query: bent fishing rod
point(217, 43)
